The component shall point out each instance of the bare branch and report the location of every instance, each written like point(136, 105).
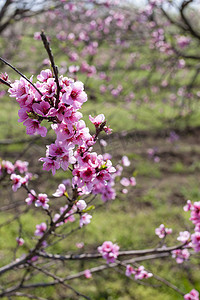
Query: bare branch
point(186, 21)
point(98, 255)
point(17, 71)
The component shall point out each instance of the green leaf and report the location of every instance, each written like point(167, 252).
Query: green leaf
point(88, 208)
point(66, 194)
point(32, 115)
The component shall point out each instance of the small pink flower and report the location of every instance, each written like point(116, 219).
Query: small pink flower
point(193, 295)
point(125, 161)
point(98, 120)
point(141, 273)
point(44, 75)
point(87, 274)
point(107, 130)
point(129, 270)
point(22, 166)
point(80, 245)
point(60, 190)
point(85, 219)
point(195, 237)
point(103, 143)
point(109, 251)
point(73, 69)
point(81, 205)
point(31, 197)
point(50, 164)
point(180, 255)
point(162, 231)
point(34, 127)
point(42, 200)
point(17, 182)
point(132, 181)
point(125, 181)
point(40, 229)
point(37, 36)
point(20, 241)
point(124, 191)
point(8, 166)
point(188, 206)
point(183, 236)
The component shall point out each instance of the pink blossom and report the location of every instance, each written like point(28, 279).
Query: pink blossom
point(40, 229)
point(74, 69)
point(42, 200)
point(77, 96)
point(195, 213)
point(7, 166)
point(107, 156)
point(132, 181)
point(87, 274)
point(125, 181)
point(141, 273)
point(80, 245)
point(183, 41)
point(181, 63)
point(20, 89)
point(60, 190)
point(41, 108)
point(34, 127)
point(180, 255)
point(107, 130)
point(98, 120)
point(162, 231)
point(195, 237)
point(183, 236)
point(103, 143)
point(125, 161)
point(32, 197)
point(85, 219)
point(44, 75)
point(17, 182)
point(22, 166)
point(37, 36)
point(81, 205)
point(109, 251)
point(188, 206)
point(25, 179)
point(20, 241)
point(129, 270)
point(50, 164)
point(192, 295)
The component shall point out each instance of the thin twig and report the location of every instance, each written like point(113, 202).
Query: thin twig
point(17, 71)
point(60, 280)
point(18, 294)
point(5, 82)
point(98, 255)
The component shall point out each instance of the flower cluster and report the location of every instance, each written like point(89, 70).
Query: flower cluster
point(8, 167)
point(73, 145)
point(162, 231)
point(183, 41)
point(19, 167)
point(109, 251)
point(193, 295)
point(181, 255)
point(195, 218)
point(139, 273)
